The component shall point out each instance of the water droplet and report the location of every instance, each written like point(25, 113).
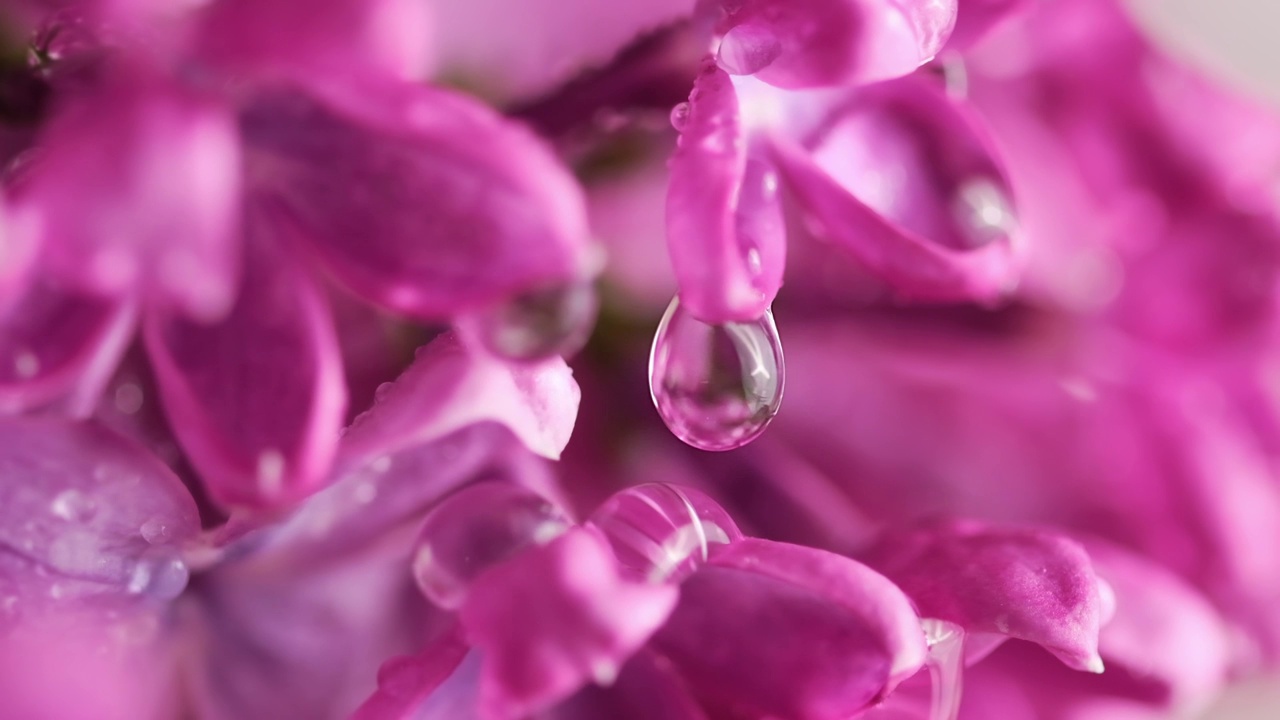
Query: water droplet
point(983, 212)
point(537, 324)
point(128, 398)
point(715, 386)
point(270, 472)
point(680, 116)
point(154, 531)
point(159, 574)
point(946, 666)
point(25, 364)
point(747, 49)
point(662, 532)
point(72, 505)
point(476, 528)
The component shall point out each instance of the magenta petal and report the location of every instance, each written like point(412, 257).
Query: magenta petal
point(1027, 584)
point(848, 583)
point(552, 619)
point(648, 688)
point(137, 187)
point(1158, 620)
point(974, 18)
point(724, 219)
point(308, 40)
point(815, 43)
point(257, 399)
point(419, 200)
point(905, 180)
point(84, 512)
point(57, 345)
point(753, 644)
point(450, 386)
point(405, 682)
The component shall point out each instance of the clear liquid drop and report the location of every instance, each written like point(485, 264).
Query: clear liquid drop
point(160, 574)
point(946, 666)
point(983, 212)
point(537, 324)
point(715, 386)
point(474, 529)
point(747, 49)
point(662, 532)
point(680, 116)
point(72, 506)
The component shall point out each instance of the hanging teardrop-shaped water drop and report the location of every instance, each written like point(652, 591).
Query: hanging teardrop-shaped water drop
point(160, 573)
point(662, 532)
point(715, 386)
point(476, 528)
point(945, 641)
point(536, 324)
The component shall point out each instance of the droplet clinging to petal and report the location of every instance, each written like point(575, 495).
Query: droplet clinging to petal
point(716, 386)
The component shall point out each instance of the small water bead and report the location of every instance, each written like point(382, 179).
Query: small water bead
point(680, 116)
point(662, 532)
point(945, 641)
point(537, 324)
point(160, 574)
point(73, 506)
point(475, 529)
point(715, 386)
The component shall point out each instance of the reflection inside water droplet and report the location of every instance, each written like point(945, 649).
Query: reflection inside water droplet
point(747, 49)
point(662, 532)
point(715, 386)
point(160, 574)
point(680, 116)
point(474, 529)
point(538, 324)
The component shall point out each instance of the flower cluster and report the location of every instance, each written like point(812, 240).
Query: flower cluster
point(287, 429)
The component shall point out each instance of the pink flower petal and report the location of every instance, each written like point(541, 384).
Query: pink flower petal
point(724, 218)
point(774, 630)
point(815, 43)
point(256, 399)
point(137, 187)
point(552, 619)
point(404, 683)
point(1027, 584)
point(59, 345)
point(449, 387)
point(85, 513)
point(309, 41)
point(974, 18)
point(905, 180)
point(648, 688)
point(419, 200)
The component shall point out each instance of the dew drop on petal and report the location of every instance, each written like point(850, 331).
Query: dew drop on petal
point(715, 386)
point(160, 574)
point(680, 116)
point(983, 212)
point(154, 531)
point(945, 641)
point(662, 532)
point(476, 528)
point(72, 505)
point(747, 49)
point(537, 324)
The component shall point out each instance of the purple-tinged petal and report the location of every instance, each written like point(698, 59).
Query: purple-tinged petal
point(1165, 637)
point(59, 346)
point(724, 219)
point(419, 200)
point(879, 604)
point(554, 618)
point(450, 386)
point(974, 18)
point(305, 40)
point(815, 43)
point(83, 512)
point(405, 682)
point(256, 399)
point(1027, 584)
point(648, 688)
point(904, 179)
point(136, 187)
point(754, 644)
